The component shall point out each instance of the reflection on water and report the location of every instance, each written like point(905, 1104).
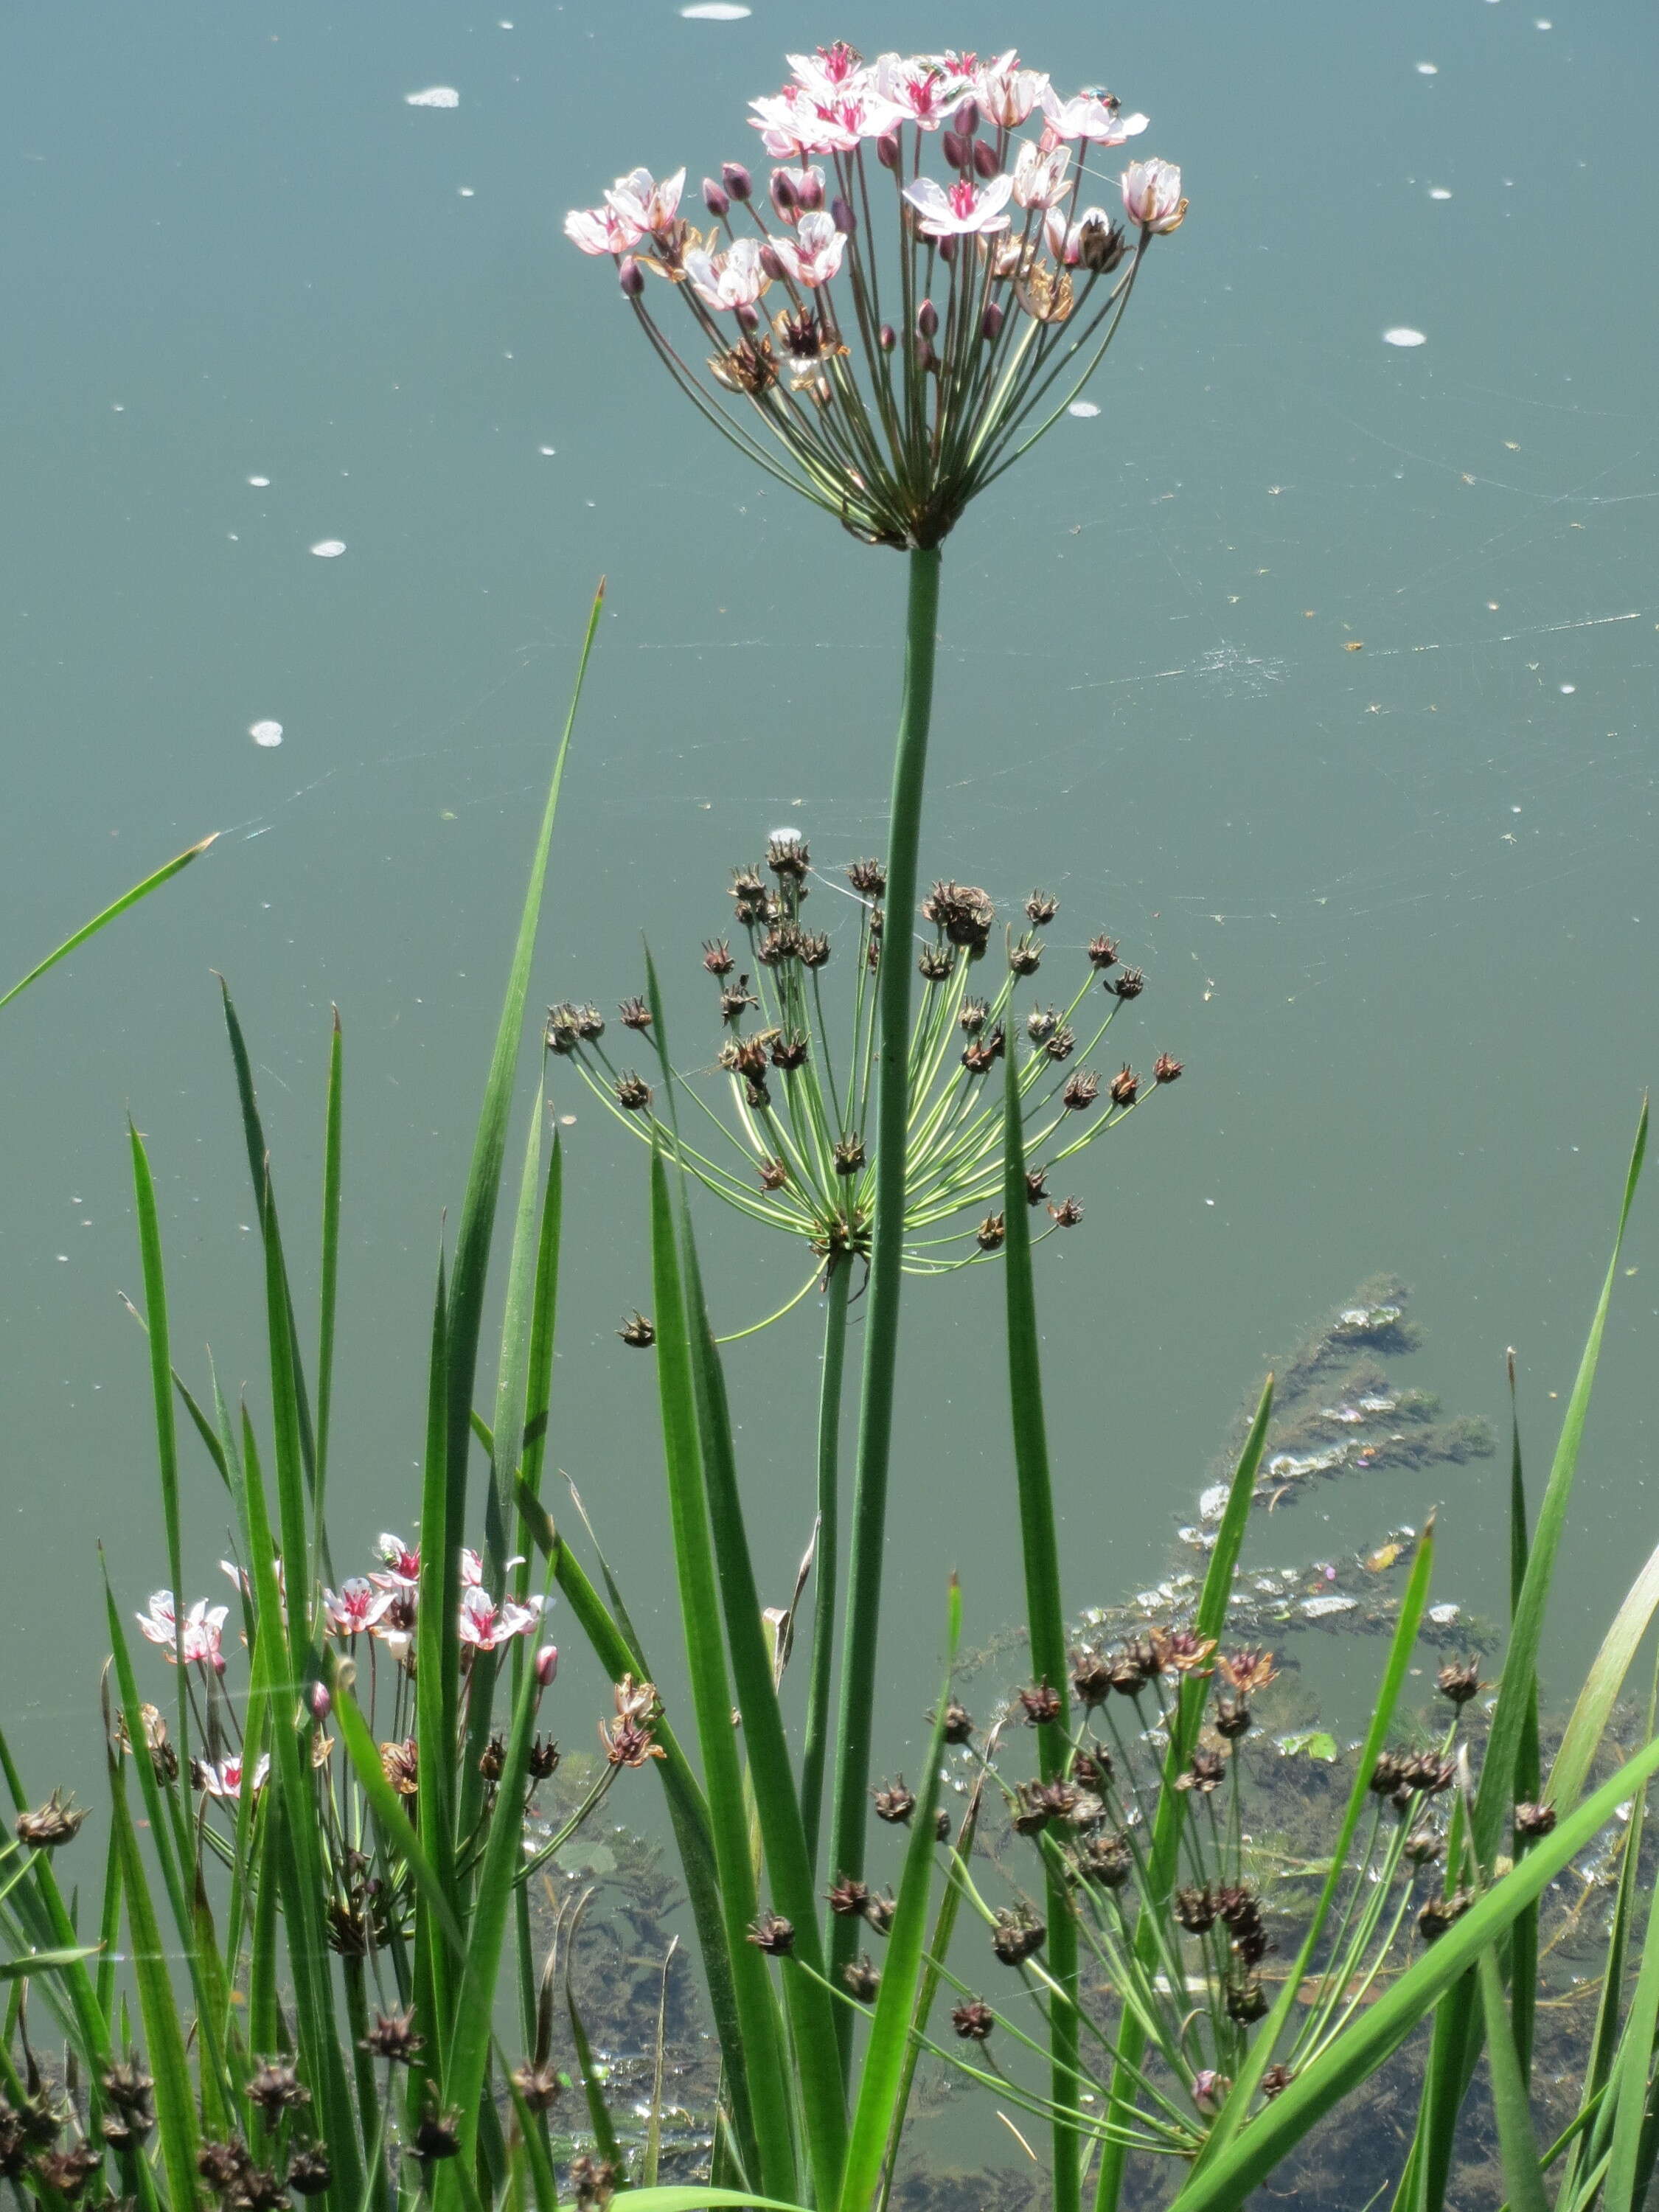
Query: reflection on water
point(1323, 666)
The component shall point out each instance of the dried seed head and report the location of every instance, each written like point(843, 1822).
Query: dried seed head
point(1042, 907)
point(590, 1023)
point(594, 2180)
point(1277, 2079)
point(1195, 1910)
point(1061, 1045)
point(788, 857)
point(973, 2020)
point(780, 945)
point(971, 1014)
point(990, 1233)
point(1017, 1936)
point(635, 1014)
point(749, 886)
point(813, 949)
point(492, 1758)
point(222, 2165)
point(392, 2037)
point(1125, 1086)
point(1026, 955)
point(895, 1802)
point(544, 1758)
point(1246, 2001)
point(1439, 1914)
point(1165, 1070)
point(1207, 1772)
point(309, 2171)
point(879, 1913)
point(633, 1093)
point(1424, 1846)
point(127, 2084)
point(963, 911)
point(863, 1978)
point(958, 1723)
point(1067, 1214)
point(1427, 1773)
point(1388, 1774)
point(638, 1332)
point(735, 999)
point(1101, 245)
point(539, 2085)
point(773, 1175)
point(868, 878)
point(1247, 1670)
point(275, 2087)
point(1129, 985)
point(848, 1897)
point(936, 962)
point(942, 1825)
point(437, 2137)
point(789, 1051)
point(1092, 1770)
point(1037, 1186)
point(1040, 1024)
point(1091, 1677)
point(1460, 1684)
point(849, 1156)
point(1232, 1717)
point(1107, 1861)
point(1103, 952)
point(1040, 1703)
point(57, 1821)
point(773, 1934)
point(1081, 1091)
point(717, 956)
point(1532, 1820)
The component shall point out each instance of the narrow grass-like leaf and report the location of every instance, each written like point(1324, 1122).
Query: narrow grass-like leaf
point(598, 2111)
point(884, 2072)
point(1353, 2056)
point(166, 1435)
point(653, 2118)
point(1518, 2144)
point(1523, 1961)
point(700, 1610)
point(329, 1276)
point(130, 898)
point(1629, 2081)
point(1587, 1722)
point(477, 1220)
point(437, 1658)
point(175, 2107)
point(544, 1318)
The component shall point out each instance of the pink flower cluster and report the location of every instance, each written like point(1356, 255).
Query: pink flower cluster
point(897, 378)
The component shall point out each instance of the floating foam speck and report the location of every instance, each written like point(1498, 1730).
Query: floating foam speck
point(465, 192)
point(259, 484)
point(435, 96)
point(1428, 69)
point(265, 733)
point(1567, 690)
point(329, 549)
point(1084, 409)
point(1403, 334)
point(1438, 192)
point(715, 11)
point(547, 452)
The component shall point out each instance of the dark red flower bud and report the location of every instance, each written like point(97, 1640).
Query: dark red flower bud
point(926, 320)
point(991, 322)
point(926, 357)
point(887, 338)
point(841, 215)
point(770, 263)
point(784, 199)
point(966, 117)
point(985, 160)
point(630, 276)
point(737, 179)
point(954, 146)
point(887, 149)
point(809, 192)
point(748, 317)
point(947, 251)
point(716, 198)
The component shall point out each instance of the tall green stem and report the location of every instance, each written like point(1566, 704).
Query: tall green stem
point(825, 1556)
point(858, 1685)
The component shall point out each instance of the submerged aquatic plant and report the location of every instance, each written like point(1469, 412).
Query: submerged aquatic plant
point(799, 1074)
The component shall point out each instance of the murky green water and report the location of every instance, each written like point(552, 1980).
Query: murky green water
point(1398, 903)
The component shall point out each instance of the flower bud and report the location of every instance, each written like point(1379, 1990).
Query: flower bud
point(985, 160)
point(966, 117)
point(321, 1704)
point(630, 276)
point(955, 149)
point(770, 263)
point(841, 215)
point(809, 190)
point(947, 250)
point(784, 197)
point(737, 179)
point(991, 322)
point(926, 320)
point(718, 201)
point(887, 149)
point(547, 1663)
point(887, 338)
point(926, 357)
point(748, 318)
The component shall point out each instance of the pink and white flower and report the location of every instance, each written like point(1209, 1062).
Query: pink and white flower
point(224, 1778)
point(401, 1562)
point(1039, 178)
point(794, 124)
point(732, 279)
point(921, 88)
point(1007, 93)
point(600, 230)
point(966, 210)
point(356, 1607)
point(1151, 196)
point(201, 1628)
point(640, 199)
point(484, 1625)
point(829, 72)
point(814, 254)
point(1095, 116)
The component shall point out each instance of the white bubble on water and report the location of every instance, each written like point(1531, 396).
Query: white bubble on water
point(788, 836)
point(1082, 409)
point(715, 11)
point(1567, 689)
point(265, 733)
point(547, 452)
point(1428, 69)
point(329, 549)
point(1438, 192)
point(1403, 334)
point(435, 96)
point(260, 483)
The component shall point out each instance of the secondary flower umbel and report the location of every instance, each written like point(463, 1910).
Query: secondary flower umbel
point(924, 329)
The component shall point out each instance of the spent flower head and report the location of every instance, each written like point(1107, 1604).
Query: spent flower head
point(916, 297)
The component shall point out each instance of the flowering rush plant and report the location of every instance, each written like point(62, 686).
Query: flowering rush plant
point(894, 381)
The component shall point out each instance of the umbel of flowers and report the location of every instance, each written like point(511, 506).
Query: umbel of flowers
point(918, 291)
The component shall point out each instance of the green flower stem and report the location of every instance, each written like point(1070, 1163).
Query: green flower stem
point(869, 1532)
point(825, 1557)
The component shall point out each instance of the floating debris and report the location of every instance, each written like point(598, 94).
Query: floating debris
point(435, 96)
point(1082, 409)
point(329, 549)
point(1403, 334)
point(715, 11)
point(265, 733)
